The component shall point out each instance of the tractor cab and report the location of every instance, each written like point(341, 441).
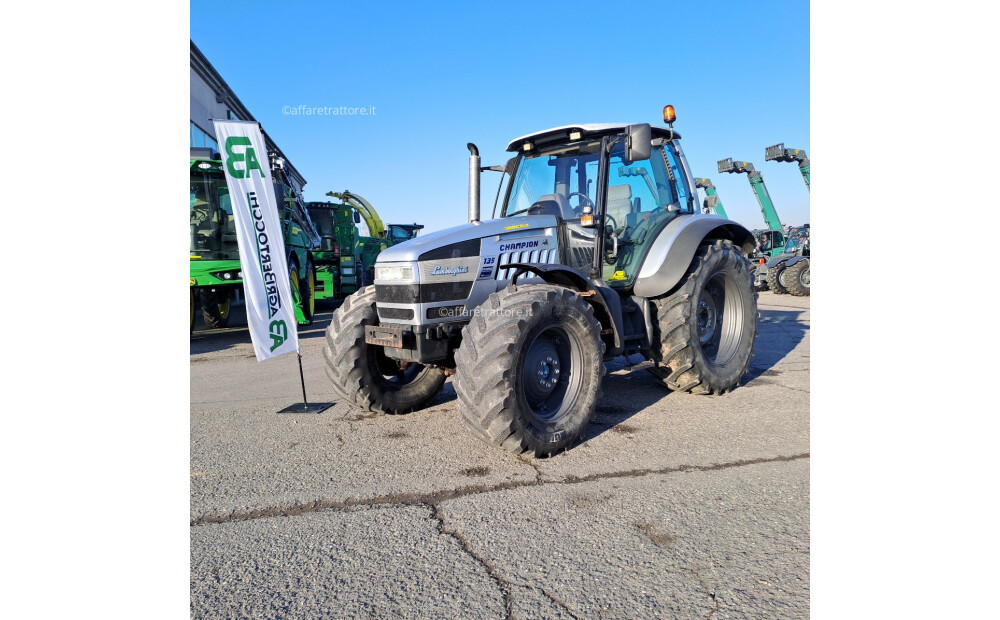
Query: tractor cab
point(213, 228)
point(607, 200)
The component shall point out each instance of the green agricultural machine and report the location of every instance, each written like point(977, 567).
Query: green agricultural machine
point(778, 152)
point(789, 272)
point(345, 261)
point(771, 241)
point(712, 203)
point(216, 274)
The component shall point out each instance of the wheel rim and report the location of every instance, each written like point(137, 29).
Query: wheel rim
point(804, 278)
point(719, 334)
point(311, 287)
point(293, 281)
point(551, 373)
point(224, 307)
point(707, 316)
point(781, 278)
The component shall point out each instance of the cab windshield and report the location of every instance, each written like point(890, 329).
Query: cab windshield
point(556, 182)
point(641, 198)
point(213, 229)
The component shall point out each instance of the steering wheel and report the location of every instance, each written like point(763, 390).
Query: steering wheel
point(584, 201)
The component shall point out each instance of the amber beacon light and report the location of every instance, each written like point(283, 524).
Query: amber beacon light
point(669, 116)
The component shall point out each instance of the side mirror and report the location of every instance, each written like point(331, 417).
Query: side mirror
point(638, 143)
point(357, 217)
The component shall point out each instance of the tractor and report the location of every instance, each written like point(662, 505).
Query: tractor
point(788, 272)
point(597, 249)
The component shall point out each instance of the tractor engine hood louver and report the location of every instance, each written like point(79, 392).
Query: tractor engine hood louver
point(461, 241)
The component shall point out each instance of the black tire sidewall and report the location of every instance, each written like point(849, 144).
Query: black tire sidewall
point(305, 294)
point(550, 435)
point(373, 391)
point(728, 263)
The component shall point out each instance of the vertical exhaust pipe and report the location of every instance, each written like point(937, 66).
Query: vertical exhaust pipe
point(473, 184)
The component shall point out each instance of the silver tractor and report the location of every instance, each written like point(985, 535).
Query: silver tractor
point(598, 250)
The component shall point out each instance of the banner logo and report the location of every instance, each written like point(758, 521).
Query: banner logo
point(279, 333)
point(248, 156)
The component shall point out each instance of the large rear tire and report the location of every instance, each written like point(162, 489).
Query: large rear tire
point(215, 307)
point(528, 373)
point(707, 326)
point(797, 278)
point(362, 373)
point(776, 278)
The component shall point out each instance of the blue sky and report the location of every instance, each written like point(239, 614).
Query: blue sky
point(445, 74)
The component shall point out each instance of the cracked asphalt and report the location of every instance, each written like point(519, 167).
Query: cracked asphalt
point(673, 506)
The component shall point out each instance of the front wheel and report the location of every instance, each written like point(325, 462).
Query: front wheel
point(215, 307)
point(362, 373)
point(708, 325)
point(797, 278)
point(528, 373)
point(776, 278)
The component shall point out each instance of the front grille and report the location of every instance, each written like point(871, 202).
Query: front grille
point(446, 312)
point(399, 314)
point(527, 256)
point(397, 293)
point(413, 293)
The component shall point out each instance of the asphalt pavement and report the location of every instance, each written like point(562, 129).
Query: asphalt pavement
point(673, 505)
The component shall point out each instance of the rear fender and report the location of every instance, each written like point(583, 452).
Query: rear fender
point(672, 251)
point(795, 259)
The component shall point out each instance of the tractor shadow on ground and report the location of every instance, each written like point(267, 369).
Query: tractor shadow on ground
point(779, 332)
point(615, 408)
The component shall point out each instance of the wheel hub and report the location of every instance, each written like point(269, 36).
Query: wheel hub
point(541, 370)
point(707, 317)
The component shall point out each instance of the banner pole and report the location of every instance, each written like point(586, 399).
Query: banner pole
point(303, 379)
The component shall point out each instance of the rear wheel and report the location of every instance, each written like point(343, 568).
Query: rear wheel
point(776, 278)
point(529, 369)
point(215, 307)
point(797, 278)
point(362, 373)
point(708, 325)
point(296, 286)
point(307, 291)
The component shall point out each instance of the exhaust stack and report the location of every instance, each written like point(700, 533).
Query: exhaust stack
point(473, 184)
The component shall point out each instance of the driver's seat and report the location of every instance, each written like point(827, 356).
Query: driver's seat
point(620, 205)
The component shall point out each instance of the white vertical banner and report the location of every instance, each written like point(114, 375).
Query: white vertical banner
point(269, 303)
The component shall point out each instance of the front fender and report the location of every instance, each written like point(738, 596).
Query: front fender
point(670, 254)
point(606, 303)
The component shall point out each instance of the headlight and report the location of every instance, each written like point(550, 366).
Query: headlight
point(394, 273)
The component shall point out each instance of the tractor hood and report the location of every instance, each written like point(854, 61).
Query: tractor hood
point(511, 227)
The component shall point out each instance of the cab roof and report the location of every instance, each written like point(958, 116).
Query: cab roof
point(557, 135)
